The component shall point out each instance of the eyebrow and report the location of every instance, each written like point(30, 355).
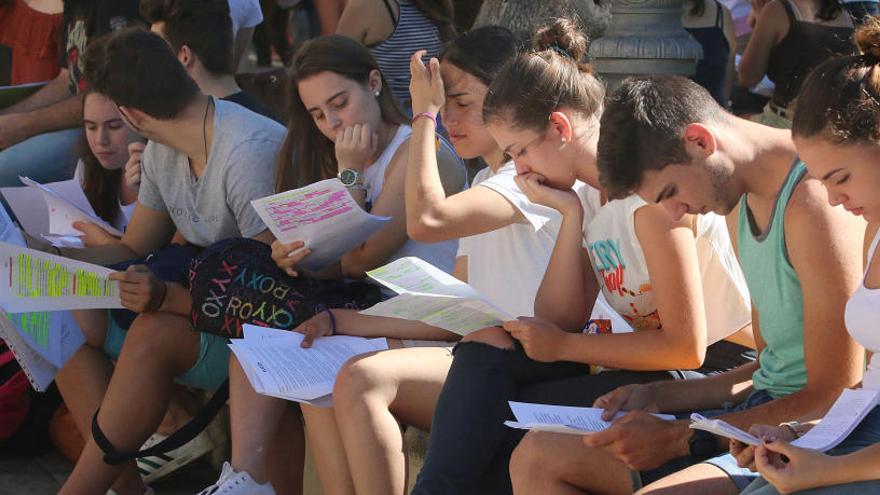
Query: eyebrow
point(662, 194)
point(87, 121)
point(454, 95)
point(328, 100)
point(829, 174)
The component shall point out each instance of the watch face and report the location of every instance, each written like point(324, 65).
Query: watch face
point(348, 177)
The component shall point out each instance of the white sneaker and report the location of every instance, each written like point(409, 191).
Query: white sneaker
point(234, 482)
point(156, 467)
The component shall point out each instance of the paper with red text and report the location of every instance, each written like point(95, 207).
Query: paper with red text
point(324, 216)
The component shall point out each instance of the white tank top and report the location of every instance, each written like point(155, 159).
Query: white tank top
point(439, 254)
point(620, 267)
point(862, 316)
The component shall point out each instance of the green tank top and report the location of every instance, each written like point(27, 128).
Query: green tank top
point(776, 294)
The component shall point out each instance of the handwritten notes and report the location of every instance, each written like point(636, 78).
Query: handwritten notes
point(324, 216)
point(561, 419)
point(277, 366)
point(32, 281)
point(432, 296)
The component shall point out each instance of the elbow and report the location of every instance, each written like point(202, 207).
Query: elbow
point(425, 229)
point(688, 357)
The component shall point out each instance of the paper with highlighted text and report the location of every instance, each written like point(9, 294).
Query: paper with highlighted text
point(324, 216)
point(432, 296)
point(32, 280)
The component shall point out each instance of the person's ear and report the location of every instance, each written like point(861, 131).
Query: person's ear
point(134, 118)
point(375, 82)
point(699, 141)
point(562, 126)
point(186, 57)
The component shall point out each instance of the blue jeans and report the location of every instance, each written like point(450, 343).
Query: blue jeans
point(865, 435)
point(47, 157)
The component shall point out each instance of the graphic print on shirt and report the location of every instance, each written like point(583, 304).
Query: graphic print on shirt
point(610, 267)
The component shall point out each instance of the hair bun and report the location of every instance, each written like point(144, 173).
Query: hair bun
point(562, 34)
point(867, 37)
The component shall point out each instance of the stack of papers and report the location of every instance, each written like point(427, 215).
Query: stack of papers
point(277, 366)
point(432, 296)
point(844, 416)
point(562, 419)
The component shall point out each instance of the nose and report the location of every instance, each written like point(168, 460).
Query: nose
point(676, 209)
point(448, 115)
point(836, 197)
point(521, 167)
point(103, 135)
point(334, 120)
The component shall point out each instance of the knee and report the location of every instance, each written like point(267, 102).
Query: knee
point(357, 378)
point(149, 340)
point(528, 459)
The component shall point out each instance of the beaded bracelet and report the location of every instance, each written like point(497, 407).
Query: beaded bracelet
point(427, 115)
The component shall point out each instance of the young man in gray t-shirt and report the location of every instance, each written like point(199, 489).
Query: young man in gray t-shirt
point(207, 160)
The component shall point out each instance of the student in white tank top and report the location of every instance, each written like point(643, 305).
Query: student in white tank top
point(838, 137)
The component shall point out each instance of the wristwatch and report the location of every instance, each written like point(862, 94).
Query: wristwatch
point(702, 445)
point(351, 178)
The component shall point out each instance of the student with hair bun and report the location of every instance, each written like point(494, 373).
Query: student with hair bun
point(836, 129)
point(543, 109)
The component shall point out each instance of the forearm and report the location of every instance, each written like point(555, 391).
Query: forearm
point(178, 300)
point(648, 350)
point(100, 255)
point(424, 194)
point(55, 91)
point(351, 322)
point(65, 114)
point(562, 296)
point(711, 392)
point(863, 465)
point(807, 403)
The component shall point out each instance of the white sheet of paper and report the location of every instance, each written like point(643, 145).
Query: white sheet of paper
point(277, 366)
point(722, 428)
point(32, 280)
point(455, 314)
point(39, 371)
point(844, 416)
point(411, 275)
point(324, 216)
point(603, 311)
point(562, 419)
point(432, 296)
point(63, 212)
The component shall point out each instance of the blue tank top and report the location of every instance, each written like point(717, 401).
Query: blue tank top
point(412, 32)
point(712, 68)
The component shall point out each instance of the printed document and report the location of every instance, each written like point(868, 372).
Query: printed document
point(32, 281)
point(844, 416)
point(277, 366)
point(562, 419)
point(64, 211)
point(324, 216)
point(432, 296)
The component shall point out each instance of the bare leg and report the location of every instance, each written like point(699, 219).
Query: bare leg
point(326, 446)
point(158, 347)
point(256, 424)
point(551, 463)
point(83, 382)
point(370, 392)
point(695, 480)
point(287, 454)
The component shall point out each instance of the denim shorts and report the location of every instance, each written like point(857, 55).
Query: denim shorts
point(210, 370)
point(726, 462)
point(865, 435)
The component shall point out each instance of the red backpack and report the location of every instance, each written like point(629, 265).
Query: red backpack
point(15, 399)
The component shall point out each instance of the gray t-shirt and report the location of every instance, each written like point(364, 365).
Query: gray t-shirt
point(217, 206)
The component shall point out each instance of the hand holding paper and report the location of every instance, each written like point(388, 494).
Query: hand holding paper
point(324, 216)
point(36, 281)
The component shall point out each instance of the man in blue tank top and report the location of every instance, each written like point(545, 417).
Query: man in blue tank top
point(666, 139)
